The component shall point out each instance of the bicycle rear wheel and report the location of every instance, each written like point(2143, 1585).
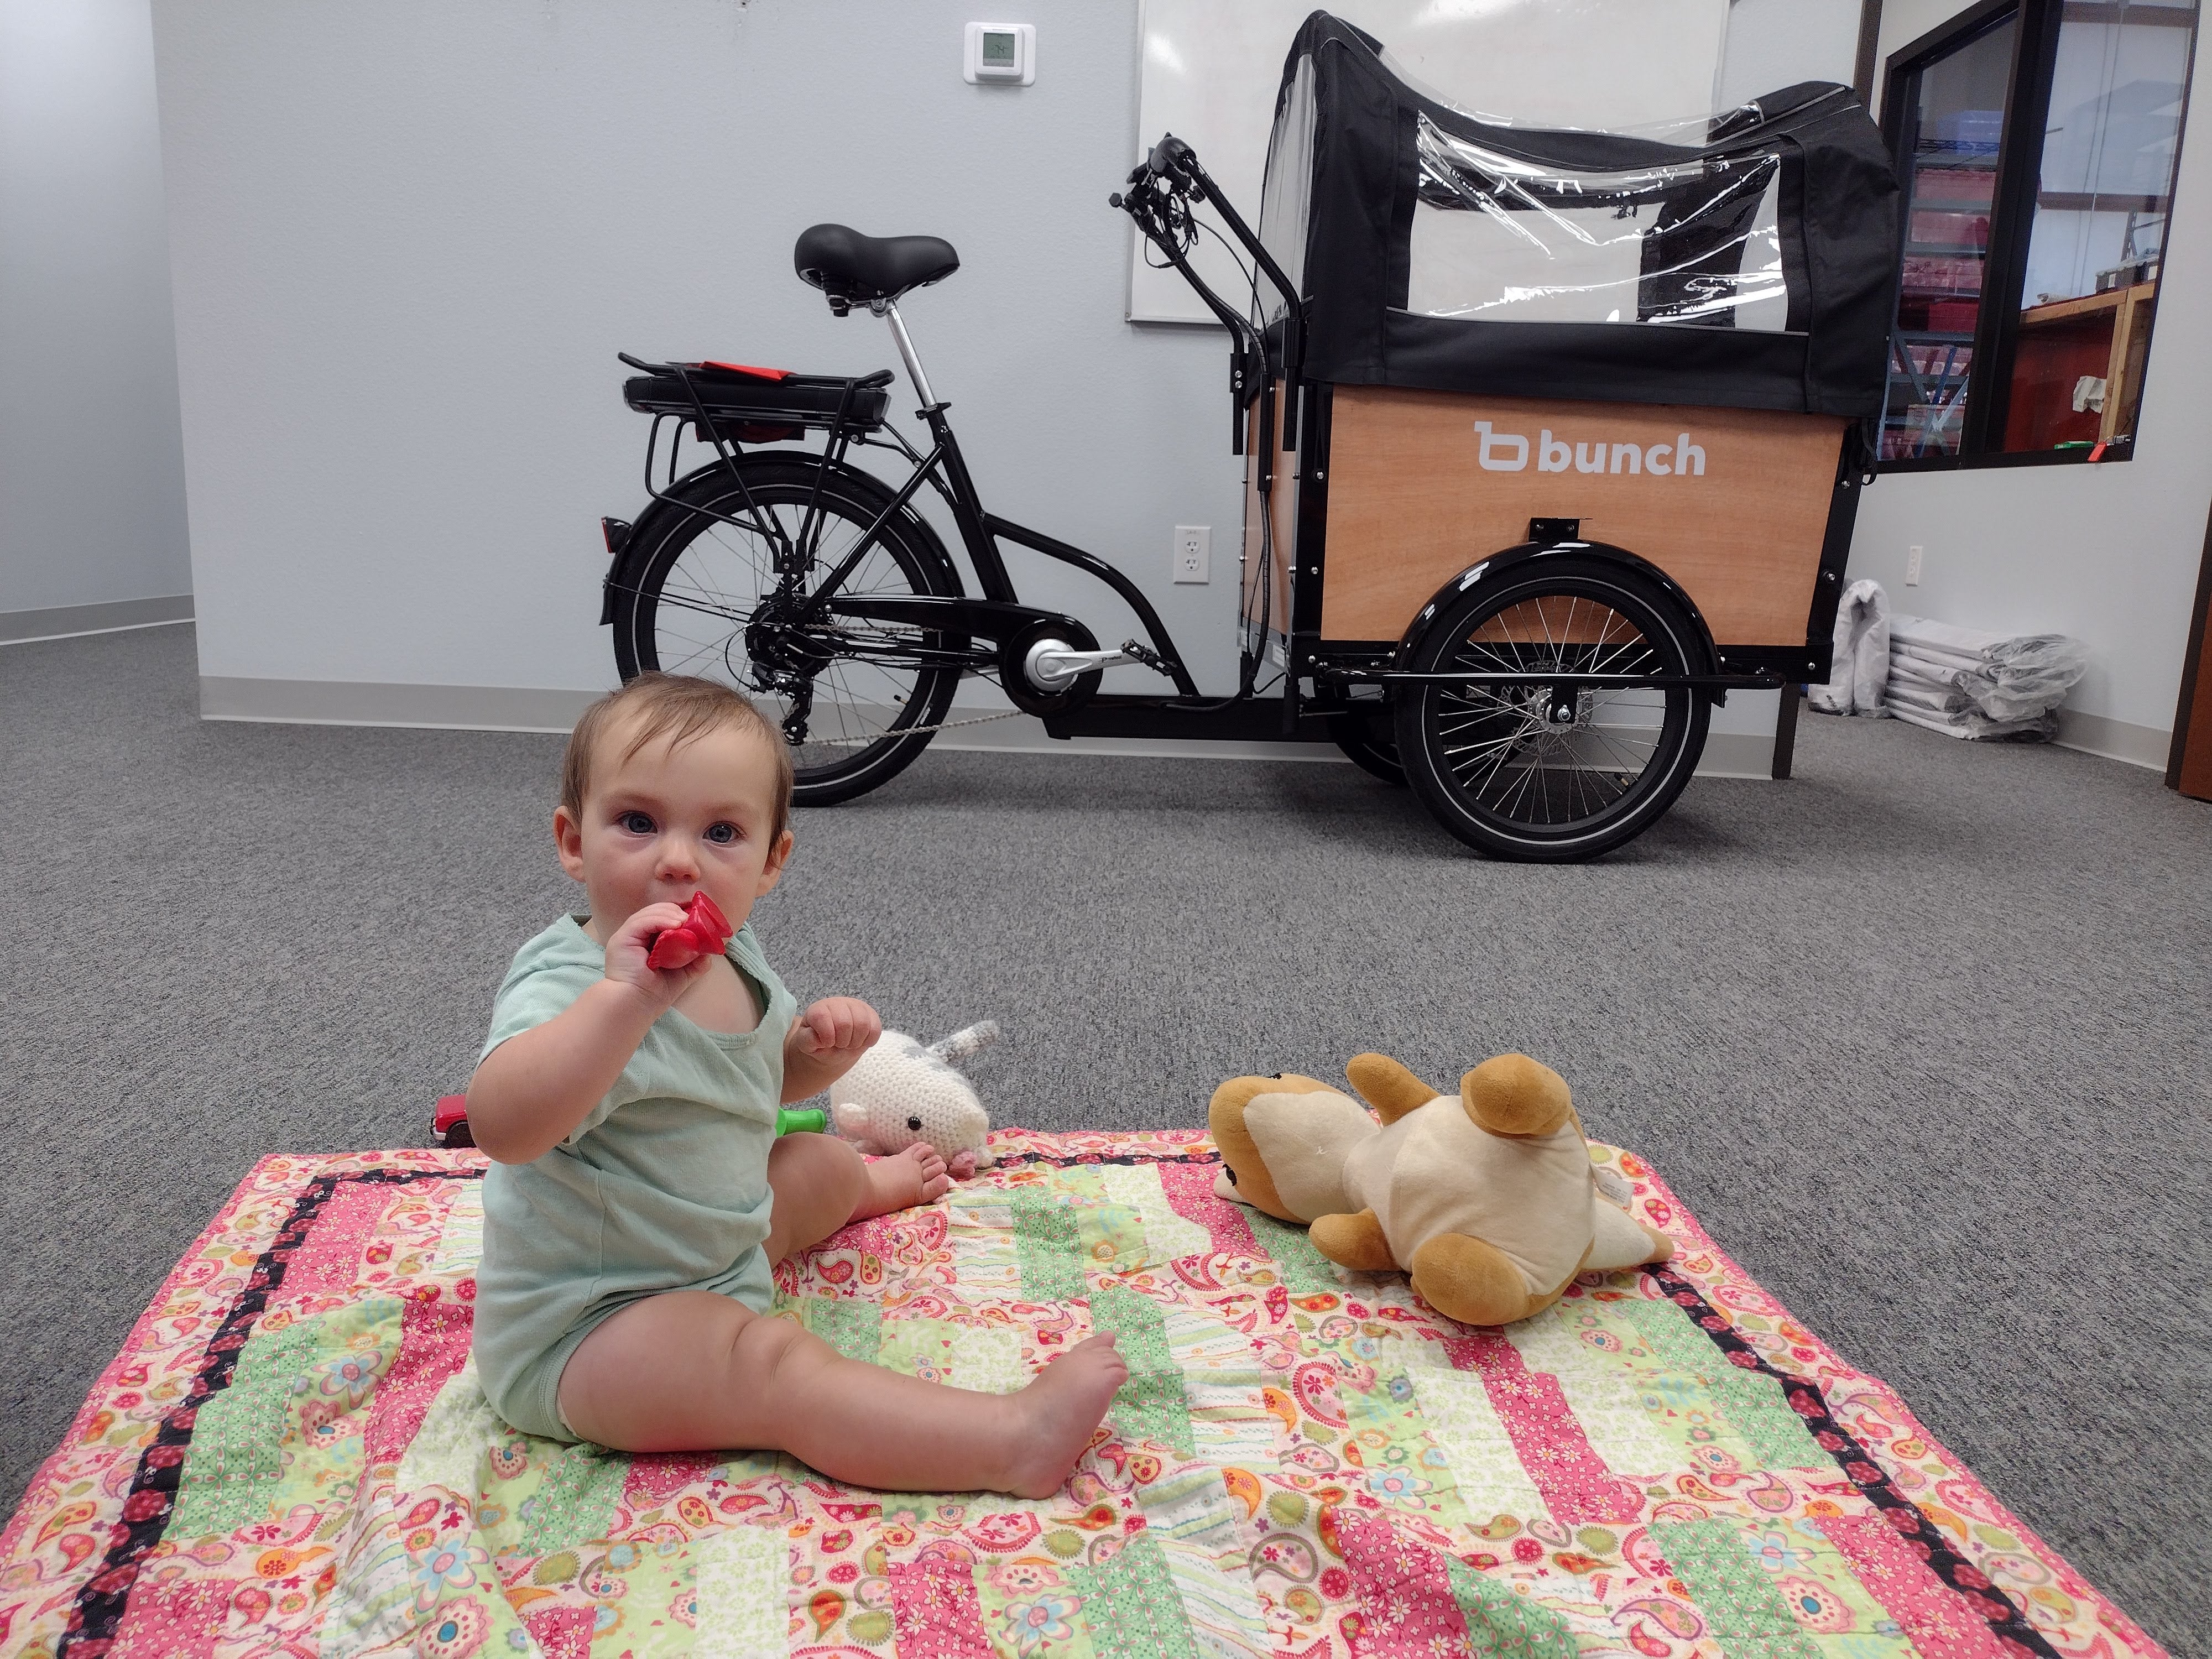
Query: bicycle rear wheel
point(1537, 770)
point(696, 594)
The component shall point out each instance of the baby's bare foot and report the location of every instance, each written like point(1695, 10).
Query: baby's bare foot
point(1056, 1413)
point(903, 1180)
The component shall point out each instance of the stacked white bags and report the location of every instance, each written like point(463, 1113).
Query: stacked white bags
point(1976, 684)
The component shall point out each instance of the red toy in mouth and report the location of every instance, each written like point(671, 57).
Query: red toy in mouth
point(703, 932)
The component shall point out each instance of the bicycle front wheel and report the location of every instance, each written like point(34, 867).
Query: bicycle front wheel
point(700, 594)
point(1543, 770)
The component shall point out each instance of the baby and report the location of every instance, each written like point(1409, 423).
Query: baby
point(639, 1194)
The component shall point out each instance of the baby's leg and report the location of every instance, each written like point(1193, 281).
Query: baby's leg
point(694, 1371)
point(821, 1184)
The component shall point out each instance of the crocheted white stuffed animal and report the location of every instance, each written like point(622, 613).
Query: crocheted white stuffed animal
point(900, 1092)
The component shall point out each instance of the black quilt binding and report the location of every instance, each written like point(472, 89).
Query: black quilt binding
point(1076, 1160)
point(98, 1613)
point(1805, 1399)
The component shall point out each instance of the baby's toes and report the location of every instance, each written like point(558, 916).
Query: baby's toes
point(932, 1162)
point(935, 1187)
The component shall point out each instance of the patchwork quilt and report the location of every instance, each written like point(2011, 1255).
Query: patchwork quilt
point(292, 1455)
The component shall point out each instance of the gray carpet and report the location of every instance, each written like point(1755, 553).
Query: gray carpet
point(1920, 1036)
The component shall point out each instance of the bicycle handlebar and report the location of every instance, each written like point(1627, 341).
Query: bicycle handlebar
point(1173, 169)
point(1161, 187)
point(1171, 156)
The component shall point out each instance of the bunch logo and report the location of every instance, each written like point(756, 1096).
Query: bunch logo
point(1509, 452)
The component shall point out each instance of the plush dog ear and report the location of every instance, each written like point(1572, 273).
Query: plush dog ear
point(1513, 1094)
point(1243, 1169)
point(1388, 1086)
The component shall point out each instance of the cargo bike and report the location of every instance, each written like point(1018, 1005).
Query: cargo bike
point(1553, 438)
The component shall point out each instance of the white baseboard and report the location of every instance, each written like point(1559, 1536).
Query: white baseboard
point(2119, 740)
point(67, 622)
point(365, 703)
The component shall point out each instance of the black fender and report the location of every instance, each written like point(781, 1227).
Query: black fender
point(1517, 559)
point(674, 503)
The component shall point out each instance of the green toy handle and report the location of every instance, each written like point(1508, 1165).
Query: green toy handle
point(812, 1121)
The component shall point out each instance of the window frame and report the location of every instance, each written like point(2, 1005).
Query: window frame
point(2012, 210)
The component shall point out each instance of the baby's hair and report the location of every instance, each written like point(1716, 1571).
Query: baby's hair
point(679, 708)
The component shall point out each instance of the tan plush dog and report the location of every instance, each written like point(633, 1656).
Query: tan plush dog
point(1487, 1197)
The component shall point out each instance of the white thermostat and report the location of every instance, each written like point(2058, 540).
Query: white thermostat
point(1000, 54)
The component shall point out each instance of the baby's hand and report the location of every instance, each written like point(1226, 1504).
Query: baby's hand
point(839, 1029)
point(628, 951)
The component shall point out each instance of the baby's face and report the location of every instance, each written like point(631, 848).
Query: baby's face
point(665, 823)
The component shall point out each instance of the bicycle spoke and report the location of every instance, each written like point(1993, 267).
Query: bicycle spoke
point(1498, 740)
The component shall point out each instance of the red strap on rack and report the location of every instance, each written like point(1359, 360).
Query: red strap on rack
point(749, 369)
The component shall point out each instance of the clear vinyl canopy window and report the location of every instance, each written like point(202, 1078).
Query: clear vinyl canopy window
point(1432, 246)
point(1506, 239)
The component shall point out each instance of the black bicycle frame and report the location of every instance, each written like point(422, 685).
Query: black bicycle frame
point(945, 469)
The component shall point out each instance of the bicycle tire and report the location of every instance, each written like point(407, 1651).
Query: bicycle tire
point(722, 573)
point(1368, 739)
point(1490, 762)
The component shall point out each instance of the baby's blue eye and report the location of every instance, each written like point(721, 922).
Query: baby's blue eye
point(636, 823)
point(722, 833)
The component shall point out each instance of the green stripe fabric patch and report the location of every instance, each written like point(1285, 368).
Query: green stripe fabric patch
point(1151, 1404)
point(1049, 1244)
point(1131, 1604)
point(1502, 1624)
point(1742, 1607)
point(1752, 1404)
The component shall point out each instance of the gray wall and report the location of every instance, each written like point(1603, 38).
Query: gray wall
point(91, 485)
point(410, 238)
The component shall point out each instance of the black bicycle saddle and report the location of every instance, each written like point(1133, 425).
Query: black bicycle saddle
point(853, 269)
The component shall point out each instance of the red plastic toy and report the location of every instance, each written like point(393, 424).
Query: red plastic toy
point(703, 932)
point(450, 1122)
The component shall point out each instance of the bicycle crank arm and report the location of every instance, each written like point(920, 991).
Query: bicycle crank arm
point(1053, 666)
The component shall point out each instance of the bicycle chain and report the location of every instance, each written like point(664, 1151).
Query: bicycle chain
point(911, 731)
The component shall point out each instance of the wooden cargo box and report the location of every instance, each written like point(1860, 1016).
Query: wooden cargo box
point(1406, 488)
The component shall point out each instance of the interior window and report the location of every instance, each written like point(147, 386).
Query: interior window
point(2037, 144)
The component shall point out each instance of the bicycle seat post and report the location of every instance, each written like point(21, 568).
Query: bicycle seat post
point(888, 309)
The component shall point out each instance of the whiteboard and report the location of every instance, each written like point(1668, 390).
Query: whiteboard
point(1211, 67)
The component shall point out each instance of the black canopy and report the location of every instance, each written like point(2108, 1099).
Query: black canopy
point(1750, 261)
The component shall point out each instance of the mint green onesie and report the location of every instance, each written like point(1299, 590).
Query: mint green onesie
point(662, 1187)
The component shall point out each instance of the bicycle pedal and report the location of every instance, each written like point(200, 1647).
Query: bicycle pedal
point(1151, 658)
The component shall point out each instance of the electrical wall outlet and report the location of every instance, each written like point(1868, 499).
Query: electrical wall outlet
point(1912, 567)
point(1193, 554)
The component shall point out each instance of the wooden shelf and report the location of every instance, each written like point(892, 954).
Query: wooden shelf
point(2113, 299)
